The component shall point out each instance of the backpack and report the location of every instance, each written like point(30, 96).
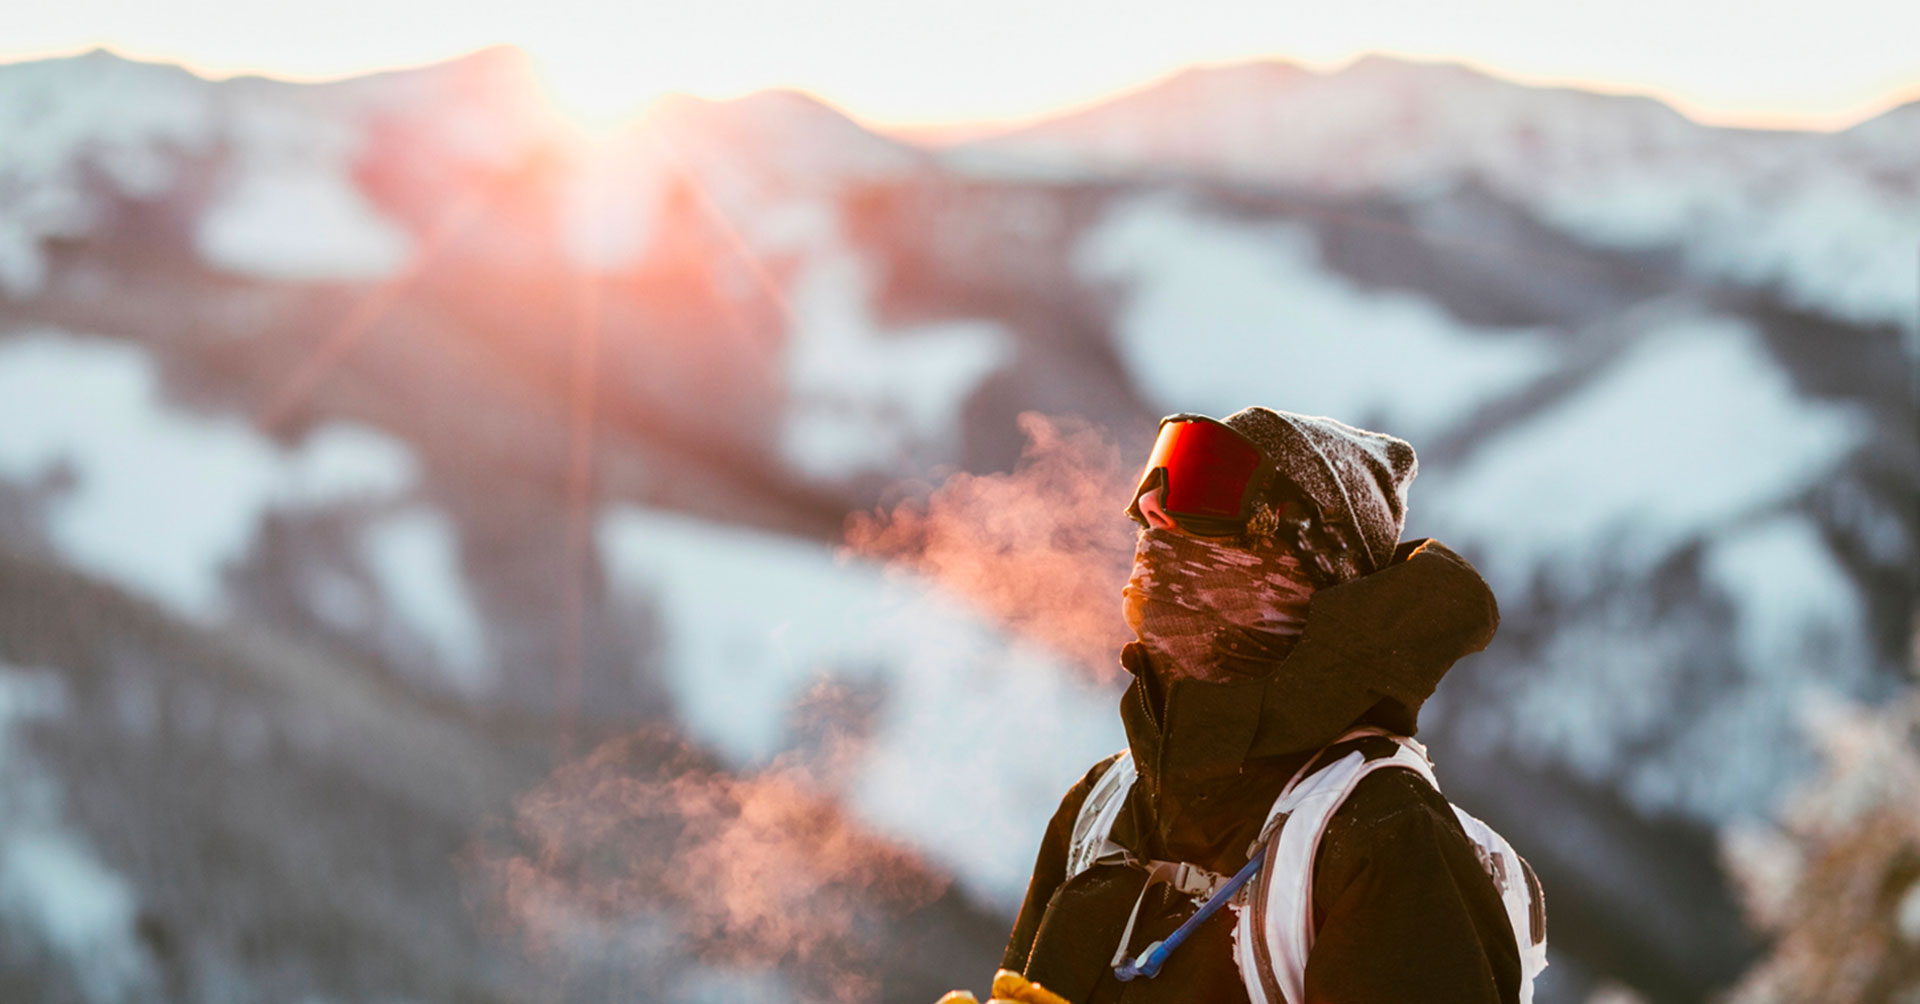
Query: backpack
point(1274, 912)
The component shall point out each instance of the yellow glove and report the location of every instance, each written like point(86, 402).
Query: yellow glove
point(1009, 987)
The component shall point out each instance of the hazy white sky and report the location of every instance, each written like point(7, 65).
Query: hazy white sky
point(1758, 62)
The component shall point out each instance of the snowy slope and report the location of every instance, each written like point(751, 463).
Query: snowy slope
point(164, 501)
point(753, 622)
point(67, 120)
point(285, 198)
point(52, 881)
point(159, 498)
point(1216, 315)
point(1827, 219)
point(86, 131)
point(861, 398)
point(1691, 447)
point(1693, 428)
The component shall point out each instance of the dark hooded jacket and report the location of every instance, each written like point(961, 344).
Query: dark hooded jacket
point(1403, 912)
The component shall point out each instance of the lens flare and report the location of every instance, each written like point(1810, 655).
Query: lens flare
point(601, 96)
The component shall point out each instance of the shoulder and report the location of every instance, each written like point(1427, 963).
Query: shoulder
point(1396, 845)
point(1388, 798)
point(1095, 772)
point(1392, 797)
point(1402, 906)
point(1396, 820)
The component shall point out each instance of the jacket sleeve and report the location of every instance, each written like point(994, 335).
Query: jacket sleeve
point(1049, 869)
point(1404, 911)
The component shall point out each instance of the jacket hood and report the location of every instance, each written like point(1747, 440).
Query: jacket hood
point(1372, 651)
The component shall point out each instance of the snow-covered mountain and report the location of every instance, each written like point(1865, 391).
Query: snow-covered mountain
point(1825, 221)
point(368, 450)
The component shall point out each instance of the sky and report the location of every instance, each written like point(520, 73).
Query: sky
point(916, 63)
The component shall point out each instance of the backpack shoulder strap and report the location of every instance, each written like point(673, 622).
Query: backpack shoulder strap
point(1275, 930)
point(1519, 892)
point(1090, 844)
point(1276, 926)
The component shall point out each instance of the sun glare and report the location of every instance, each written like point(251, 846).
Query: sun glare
point(600, 97)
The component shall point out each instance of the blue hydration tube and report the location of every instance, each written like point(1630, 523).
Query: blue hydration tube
point(1150, 961)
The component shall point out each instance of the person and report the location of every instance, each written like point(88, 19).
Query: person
point(1280, 626)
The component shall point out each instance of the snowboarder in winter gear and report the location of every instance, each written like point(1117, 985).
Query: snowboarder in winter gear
point(1282, 629)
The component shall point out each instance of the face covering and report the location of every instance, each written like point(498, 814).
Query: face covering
point(1208, 610)
point(1213, 621)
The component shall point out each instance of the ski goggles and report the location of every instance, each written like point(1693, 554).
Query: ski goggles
point(1213, 476)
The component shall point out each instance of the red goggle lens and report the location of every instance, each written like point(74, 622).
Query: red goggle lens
point(1209, 467)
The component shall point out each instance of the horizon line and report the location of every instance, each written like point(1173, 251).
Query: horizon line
point(953, 130)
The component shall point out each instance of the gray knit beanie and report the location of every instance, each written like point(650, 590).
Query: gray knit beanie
point(1357, 478)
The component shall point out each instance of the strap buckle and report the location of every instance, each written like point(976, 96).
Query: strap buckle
point(1196, 881)
point(1219, 888)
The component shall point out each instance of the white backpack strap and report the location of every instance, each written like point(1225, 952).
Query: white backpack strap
point(1519, 893)
point(1275, 929)
point(1090, 844)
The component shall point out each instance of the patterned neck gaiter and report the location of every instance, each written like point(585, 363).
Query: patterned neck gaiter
point(1209, 610)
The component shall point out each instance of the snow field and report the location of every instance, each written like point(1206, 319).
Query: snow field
point(1693, 436)
point(977, 738)
point(162, 500)
point(1217, 315)
point(1827, 219)
point(863, 399)
point(1694, 426)
point(51, 882)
